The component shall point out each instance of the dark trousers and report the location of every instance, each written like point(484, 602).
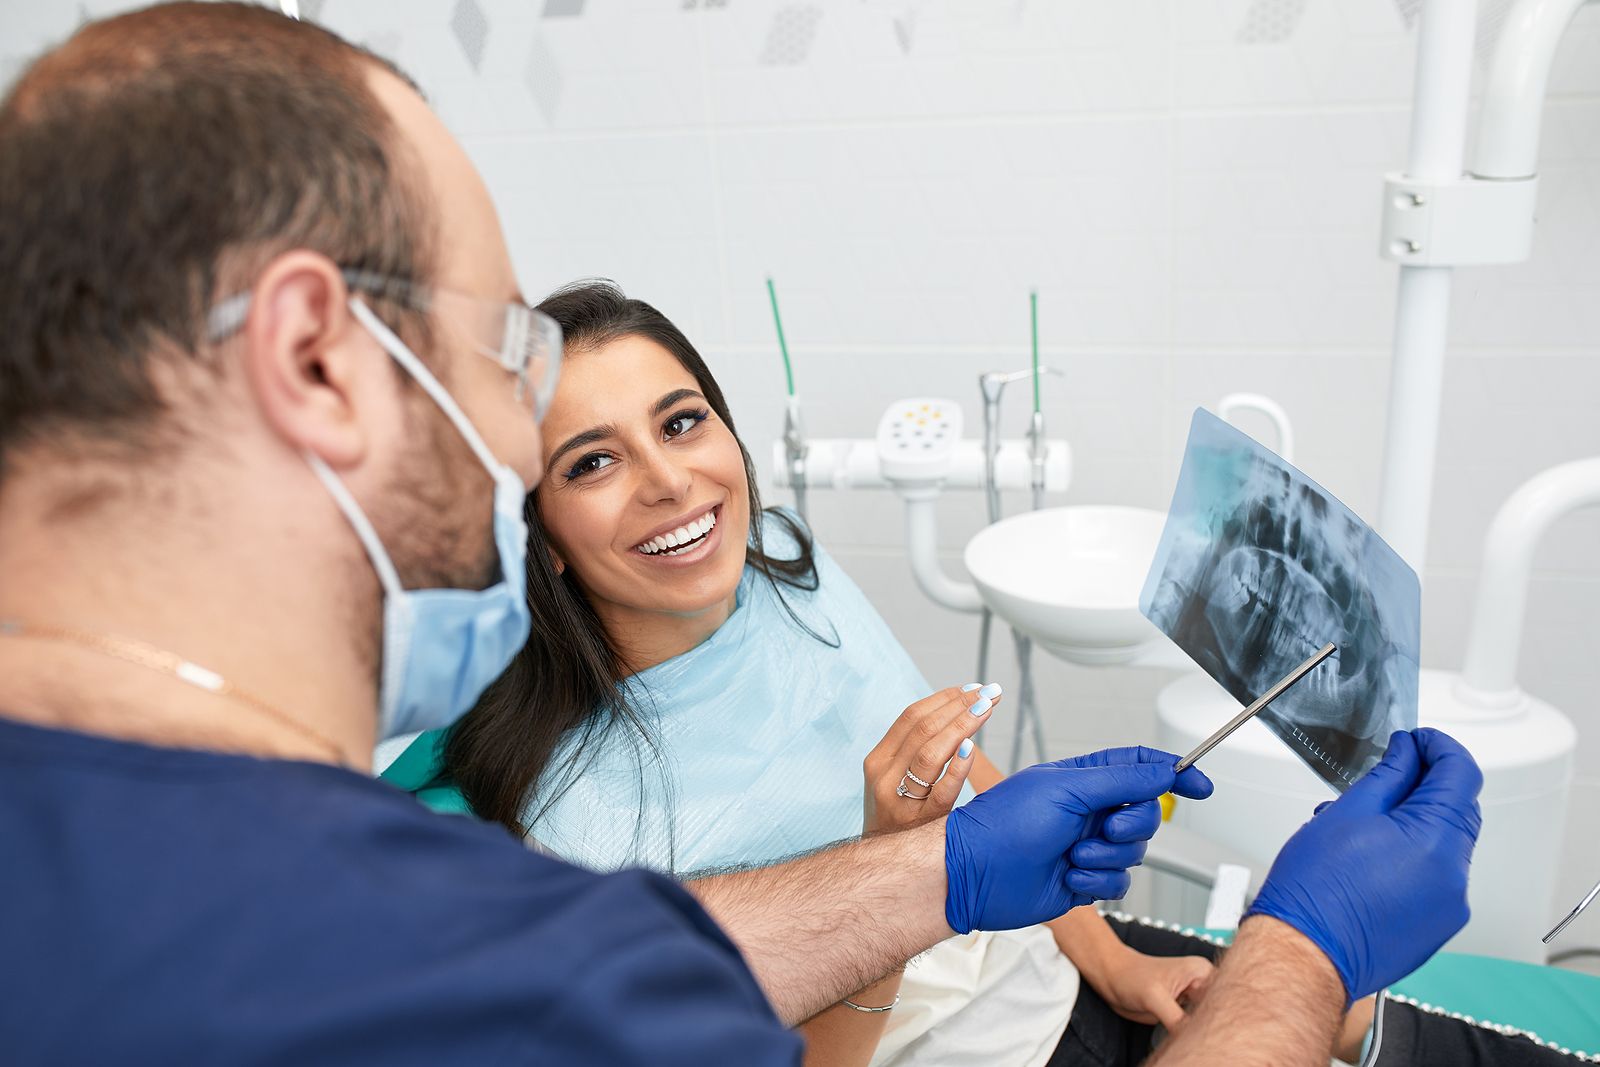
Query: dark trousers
point(1404, 1034)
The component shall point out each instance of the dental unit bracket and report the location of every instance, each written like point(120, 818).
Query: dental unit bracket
point(1469, 221)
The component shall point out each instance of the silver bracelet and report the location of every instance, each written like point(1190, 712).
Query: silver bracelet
point(847, 1002)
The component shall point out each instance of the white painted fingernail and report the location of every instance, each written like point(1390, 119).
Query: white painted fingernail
point(969, 687)
point(990, 691)
point(982, 707)
point(965, 750)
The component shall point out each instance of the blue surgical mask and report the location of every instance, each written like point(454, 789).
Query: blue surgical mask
point(441, 647)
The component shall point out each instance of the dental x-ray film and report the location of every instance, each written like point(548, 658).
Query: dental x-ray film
point(1257, 569)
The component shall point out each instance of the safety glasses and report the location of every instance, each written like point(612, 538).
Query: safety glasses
point(528, 342)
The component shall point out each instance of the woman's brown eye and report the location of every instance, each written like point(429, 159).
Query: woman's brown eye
point(589, 464)
point(683, 422)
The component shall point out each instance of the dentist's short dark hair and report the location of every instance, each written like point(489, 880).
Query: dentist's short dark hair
point(152, 164)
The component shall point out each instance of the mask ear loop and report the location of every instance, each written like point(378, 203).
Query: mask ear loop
point(388, 577)
point(394, 655)
point(430, 385)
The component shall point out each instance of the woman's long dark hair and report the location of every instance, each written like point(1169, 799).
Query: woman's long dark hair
point(567, 678)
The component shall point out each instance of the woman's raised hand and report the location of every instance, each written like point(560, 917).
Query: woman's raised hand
point(907, 780)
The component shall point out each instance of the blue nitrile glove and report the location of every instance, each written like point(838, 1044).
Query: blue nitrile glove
point(1050, 838)
point(1378, 878)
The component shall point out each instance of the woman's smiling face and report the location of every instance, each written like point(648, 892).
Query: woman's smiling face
point(644, 495)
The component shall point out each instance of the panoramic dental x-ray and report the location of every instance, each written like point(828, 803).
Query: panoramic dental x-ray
point(1257, 569)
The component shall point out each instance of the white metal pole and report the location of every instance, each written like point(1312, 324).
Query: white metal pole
point(1438, 139)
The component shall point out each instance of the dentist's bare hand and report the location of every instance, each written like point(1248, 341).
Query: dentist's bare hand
point(932, 741)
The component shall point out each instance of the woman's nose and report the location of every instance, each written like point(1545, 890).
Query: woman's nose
point(664, 479)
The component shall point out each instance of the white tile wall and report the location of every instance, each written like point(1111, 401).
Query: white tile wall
point(1192, 187)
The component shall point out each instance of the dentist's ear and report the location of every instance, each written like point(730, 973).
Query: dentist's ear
point(557, 562)
point(308, 364)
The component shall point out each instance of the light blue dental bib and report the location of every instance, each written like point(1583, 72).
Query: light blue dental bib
point(760, 732)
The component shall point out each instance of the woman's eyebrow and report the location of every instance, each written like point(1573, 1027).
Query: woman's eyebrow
point(675, 397)
point(600, 433)
point(580, 440)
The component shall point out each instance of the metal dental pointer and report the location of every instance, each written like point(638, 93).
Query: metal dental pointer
point(1261, 702)
point(1573, 914)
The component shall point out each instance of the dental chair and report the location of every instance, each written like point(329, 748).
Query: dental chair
point(1556, 1007)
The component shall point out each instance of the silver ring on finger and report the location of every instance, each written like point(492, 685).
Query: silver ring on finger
point(901, 790)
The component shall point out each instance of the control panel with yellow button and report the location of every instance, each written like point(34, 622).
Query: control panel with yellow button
point(917, 439)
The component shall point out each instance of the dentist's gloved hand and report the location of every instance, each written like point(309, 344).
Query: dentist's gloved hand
point(1055, 836)
point(1378, 878)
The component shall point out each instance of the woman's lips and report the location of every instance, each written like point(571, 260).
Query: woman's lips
point(687, 555)
point(686, 533)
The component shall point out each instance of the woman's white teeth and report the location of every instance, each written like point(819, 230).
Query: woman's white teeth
point(680, 538)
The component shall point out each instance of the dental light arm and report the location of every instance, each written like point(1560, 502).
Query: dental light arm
point(1514, 90)
point(1489, 674)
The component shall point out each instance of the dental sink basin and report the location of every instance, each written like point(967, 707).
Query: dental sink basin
point(1070, 578)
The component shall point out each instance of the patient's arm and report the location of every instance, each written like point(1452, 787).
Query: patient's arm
point(1144, 988)
point(841, 1036)
point(816, 929)
point(1276, 1001)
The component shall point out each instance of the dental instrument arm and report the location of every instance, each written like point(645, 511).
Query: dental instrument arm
point(794, 451)
point(794, 438)
point(1583, 904)
point(992, 386)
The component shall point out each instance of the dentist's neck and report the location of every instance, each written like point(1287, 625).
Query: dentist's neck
point(216, 576)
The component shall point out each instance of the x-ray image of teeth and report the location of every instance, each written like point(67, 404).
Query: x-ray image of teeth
point(1258, 568)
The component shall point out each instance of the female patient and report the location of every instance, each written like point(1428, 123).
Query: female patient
point(705, 687)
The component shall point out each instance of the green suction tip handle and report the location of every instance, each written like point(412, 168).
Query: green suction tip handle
point(1033, 315)
point(783, 346)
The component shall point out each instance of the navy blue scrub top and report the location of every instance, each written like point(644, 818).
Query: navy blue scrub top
point(166, 906)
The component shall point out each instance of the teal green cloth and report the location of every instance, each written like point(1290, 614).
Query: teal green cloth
point(1560, 1006)
point(420, 770)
